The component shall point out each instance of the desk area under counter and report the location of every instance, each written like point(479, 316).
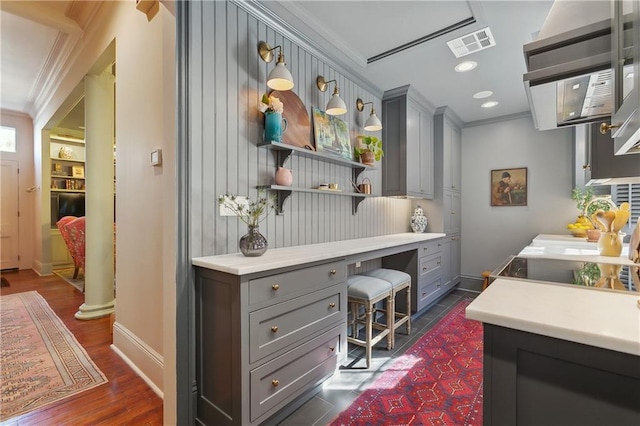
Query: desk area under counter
point(271, 329)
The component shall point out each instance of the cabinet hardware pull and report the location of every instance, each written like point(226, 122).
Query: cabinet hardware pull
point(332, 348)
point(275, 287)
point(586, 167)
point(453, 212)
point(605, 127)
point(438, 263)
point(275, 383)
point(274, 328)
point(332, 305)
point(424, 269)
point(332, 272)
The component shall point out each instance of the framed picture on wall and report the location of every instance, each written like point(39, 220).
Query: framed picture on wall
point(331, 135)
point(77, 171)
point(509, 187)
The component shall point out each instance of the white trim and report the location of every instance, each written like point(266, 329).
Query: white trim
point(498, 119)
point(146, 362)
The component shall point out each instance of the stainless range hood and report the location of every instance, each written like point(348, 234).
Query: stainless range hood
point(569, 78)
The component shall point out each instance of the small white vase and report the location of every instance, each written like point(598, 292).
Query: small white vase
point(284, 177)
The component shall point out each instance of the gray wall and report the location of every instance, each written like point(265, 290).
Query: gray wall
point(490, 234)
point(227, 79)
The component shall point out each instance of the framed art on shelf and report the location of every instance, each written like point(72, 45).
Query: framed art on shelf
point(331, 135)
point(77, 171)
point(509, 187)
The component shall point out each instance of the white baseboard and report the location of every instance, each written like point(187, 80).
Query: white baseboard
point(147, 363)
point(42, 269)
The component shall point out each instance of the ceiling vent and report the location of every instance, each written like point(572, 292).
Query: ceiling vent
point(470, 43)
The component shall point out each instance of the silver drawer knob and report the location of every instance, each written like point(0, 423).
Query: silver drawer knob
point(332, 348)
point(275, 287)
point(332, 272)
point(332, 305)
point(274, 328)
point(275, 383)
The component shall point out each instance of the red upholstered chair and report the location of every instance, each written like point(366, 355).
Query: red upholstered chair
point(67, 239)
point(73, 233)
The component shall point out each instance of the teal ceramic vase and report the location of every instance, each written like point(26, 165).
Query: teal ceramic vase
point(274, 126)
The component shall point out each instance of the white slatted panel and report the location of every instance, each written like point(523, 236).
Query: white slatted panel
point(227, 79)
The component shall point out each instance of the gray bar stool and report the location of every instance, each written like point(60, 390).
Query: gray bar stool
point(367, 291)
point(400, 281)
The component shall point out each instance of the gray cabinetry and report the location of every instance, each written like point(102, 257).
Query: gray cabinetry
point(266, 339)
point(407, 166)
point(626, 68)
point(531, 379)
point(445, 211)
point(427, 268)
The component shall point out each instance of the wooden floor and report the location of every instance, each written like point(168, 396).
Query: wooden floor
point(124, 400)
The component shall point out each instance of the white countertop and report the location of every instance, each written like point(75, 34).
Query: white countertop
point(567, 247)
point(239, 264)
point(601, 318)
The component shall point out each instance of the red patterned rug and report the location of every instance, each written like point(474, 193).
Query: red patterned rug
point(42, 362)
point(438, 381)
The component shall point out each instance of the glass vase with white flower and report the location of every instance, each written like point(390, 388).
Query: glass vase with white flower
point(253, 243)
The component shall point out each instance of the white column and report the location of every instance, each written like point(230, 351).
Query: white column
point(99, 299)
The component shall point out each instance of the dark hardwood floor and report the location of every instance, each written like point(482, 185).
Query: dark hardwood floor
point(125, 400)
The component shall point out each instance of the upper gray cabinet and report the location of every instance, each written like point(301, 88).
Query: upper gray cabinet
point(407, 134)
point(626, 68)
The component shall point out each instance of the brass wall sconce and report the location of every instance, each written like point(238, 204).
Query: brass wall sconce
point(373, 123)
point(336, 105)
point(279, 78)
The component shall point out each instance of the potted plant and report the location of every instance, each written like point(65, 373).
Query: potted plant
point(369, 149)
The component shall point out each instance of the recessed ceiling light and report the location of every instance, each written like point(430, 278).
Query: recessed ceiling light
point(489, 104)
point(466, 66)
point(483, 94)
point(575, 86)
point(572, 113)
point(630, 75)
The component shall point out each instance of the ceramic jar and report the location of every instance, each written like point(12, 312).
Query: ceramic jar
point(284, 177)
point(418, 220)
point(610, 244)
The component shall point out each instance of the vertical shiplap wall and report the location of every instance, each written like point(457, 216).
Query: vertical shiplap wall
point(226, 82)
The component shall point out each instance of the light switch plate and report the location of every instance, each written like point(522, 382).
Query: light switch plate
point(156, 157)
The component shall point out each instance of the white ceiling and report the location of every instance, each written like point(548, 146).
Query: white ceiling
point(351, 32)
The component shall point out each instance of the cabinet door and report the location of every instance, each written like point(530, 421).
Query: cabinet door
point(446, 262)
point(426, 156)
point(452, 145)
point(452, 211)
point(455, 259)
point(626, 67)
point(414, 175)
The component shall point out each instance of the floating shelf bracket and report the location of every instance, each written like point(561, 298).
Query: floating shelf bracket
point(282, 196)
point(356, 202)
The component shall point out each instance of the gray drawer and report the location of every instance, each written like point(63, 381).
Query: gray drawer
point(276, 383)
point(428, 290)
point(276, 327)
point(430, 264)
point(430, 247)
point(275, 287)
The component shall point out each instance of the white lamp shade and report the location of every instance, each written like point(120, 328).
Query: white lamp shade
point(280, 78)
point(336, 106)
point(373, 123)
